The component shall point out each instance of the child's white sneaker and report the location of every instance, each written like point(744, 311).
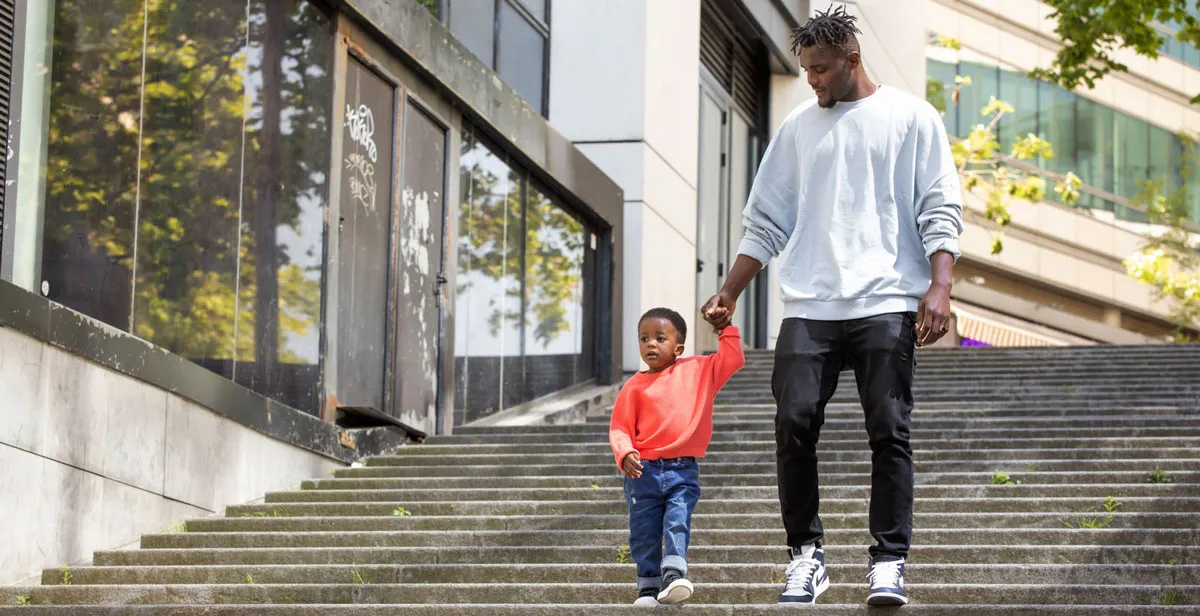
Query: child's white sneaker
point(676, 588)
point(647, 598)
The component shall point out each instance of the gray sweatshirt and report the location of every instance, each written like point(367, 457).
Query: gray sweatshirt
point(861, 195)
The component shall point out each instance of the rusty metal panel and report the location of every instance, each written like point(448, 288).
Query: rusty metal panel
point(420, 270)
point(364, 242)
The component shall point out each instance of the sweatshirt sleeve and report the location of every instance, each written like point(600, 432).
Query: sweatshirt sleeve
point(729, 357)
point(621, 426)
point(938, 195)
point(770, 214)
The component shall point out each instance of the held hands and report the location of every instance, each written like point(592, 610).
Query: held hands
point(933, 315)
point(718, 311)
point(632, 465)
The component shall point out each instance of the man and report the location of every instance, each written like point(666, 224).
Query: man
point(861, 187)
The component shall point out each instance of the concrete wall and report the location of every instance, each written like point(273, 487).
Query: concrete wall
point(624, 86)
point(92, 458)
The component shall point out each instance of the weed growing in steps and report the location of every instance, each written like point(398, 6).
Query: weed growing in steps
point(1159, 476)
point(24, 600)
point(1086, 522)
point(65, 578)
point(249, 579)
point(1170, 596)
point(623, 556)
point(401, 512)
point(357, 578)
point(1001, 478)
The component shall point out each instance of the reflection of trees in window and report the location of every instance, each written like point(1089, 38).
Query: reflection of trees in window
point(554, 269)
point(232, 147)
point(550, 256)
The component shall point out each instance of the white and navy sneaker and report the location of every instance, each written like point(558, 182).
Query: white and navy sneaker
point(806, 576)
point(647, 597)
point(676, 588)
point(886, 578)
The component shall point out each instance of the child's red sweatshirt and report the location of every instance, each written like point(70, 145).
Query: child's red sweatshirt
point(669, 414)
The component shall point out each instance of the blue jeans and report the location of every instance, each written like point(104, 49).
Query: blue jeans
point(661, 502)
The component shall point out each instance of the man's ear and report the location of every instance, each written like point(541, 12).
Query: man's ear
point(854, 59)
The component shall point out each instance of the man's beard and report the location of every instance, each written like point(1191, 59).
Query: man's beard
point(827, 105)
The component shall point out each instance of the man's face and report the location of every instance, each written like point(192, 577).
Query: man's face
point(830, 73)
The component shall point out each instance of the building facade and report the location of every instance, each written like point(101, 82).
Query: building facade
point(232, 230)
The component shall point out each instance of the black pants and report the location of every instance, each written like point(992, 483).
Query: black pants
point(808, 358)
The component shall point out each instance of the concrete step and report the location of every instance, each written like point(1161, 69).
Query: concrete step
point(999, 400)
point(766, 466)
point(919, 422)
point(856, 504)
point(849, 452)
point(1051, 520)
point(925, 553)
point(717, 593)
point(577, 481)
point(699, 537)
point(612, 573)
point(612, 492)
point(546, 609)
point(832, 433)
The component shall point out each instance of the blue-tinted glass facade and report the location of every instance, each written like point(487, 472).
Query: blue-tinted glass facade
point(1109, 150)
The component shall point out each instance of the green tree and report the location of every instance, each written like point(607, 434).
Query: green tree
point(1092, 31)
point(1170, 260)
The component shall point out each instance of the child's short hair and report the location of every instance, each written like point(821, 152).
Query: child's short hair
point(670, 315)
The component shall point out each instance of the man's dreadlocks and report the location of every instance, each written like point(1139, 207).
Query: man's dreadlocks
point(832, 29)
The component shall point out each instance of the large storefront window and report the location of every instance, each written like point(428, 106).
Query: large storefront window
point(522, 325)
point(186, 176)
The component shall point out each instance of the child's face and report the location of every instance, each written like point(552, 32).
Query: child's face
point(659, 343)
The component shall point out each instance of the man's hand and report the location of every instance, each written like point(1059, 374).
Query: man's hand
point(718, 311)
point(632, 465)
point(933, 315)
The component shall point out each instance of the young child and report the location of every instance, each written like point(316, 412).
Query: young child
point(662, 422)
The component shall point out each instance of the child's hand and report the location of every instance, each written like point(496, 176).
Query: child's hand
point(632, 465)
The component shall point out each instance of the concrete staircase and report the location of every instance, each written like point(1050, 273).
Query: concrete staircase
point(530, 520)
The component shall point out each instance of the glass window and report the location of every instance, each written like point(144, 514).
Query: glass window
point(554, 265)
point(521, 325)
point(91, 169)
point(1056, 123)
point(289, 90)
point(537, 8)
point(488, 302)
point(1164, 157)
point(473, 22)
point(1020, 92)
point(944, 73)
point(212, 247)
point(521, 54)
point(973, 98)
point(1131, 158)
point(1094, 150)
